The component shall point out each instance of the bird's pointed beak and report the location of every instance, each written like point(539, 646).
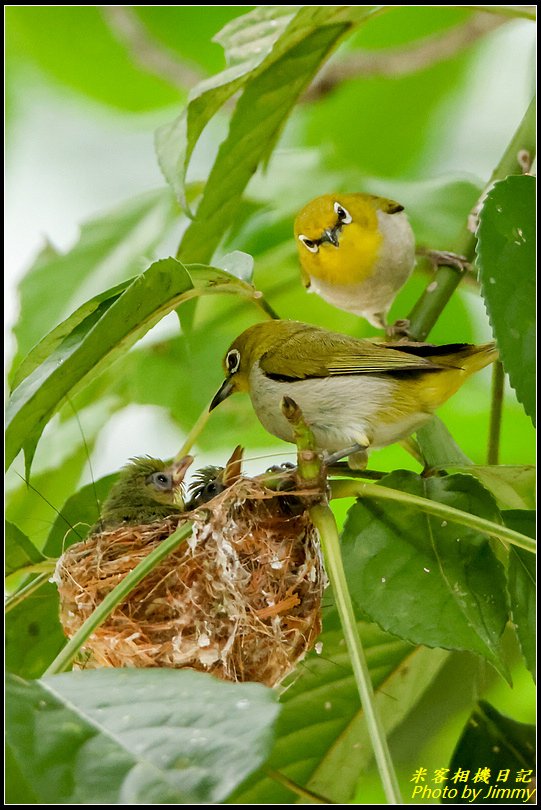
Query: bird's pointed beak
point(330, 235)
point(225, 390)
point(180, 468)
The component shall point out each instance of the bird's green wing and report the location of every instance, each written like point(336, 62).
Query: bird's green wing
point(318, 353)
point(387, 206)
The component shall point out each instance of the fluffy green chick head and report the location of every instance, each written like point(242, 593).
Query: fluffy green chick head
point(147, 490)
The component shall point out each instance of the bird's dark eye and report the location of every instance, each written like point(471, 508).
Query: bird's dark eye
point(344, 217)
point(211, 489)
point(309, 244)
point(233, 361)
point(160, 480)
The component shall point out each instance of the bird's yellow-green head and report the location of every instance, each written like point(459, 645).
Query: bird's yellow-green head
point(247, 349)
point(147, 489)
point(338, 237)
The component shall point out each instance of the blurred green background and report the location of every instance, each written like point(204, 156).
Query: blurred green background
point(83, 102)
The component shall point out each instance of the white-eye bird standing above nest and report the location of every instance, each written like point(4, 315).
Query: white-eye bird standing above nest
point(355, 395)
point(356, 251)
point(147, 490)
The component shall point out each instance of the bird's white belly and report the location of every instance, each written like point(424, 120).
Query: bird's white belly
point(341, 411)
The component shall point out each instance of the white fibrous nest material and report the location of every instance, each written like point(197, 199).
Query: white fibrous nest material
point(240, 599)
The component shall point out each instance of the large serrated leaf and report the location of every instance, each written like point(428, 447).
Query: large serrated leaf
point(521, 576)
point(126, 736)
point(506, 261)
point(322, 732)
point(426, 580)
point(500, 750)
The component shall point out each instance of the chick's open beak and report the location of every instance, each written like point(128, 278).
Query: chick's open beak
point(225, 390)
point(180, 468)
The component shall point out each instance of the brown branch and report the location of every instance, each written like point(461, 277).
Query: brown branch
point(402, 61)
point(147, 51)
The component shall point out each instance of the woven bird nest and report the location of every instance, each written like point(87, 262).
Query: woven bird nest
point(241, 598)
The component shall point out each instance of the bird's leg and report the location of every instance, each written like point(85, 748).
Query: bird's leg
point(440, 258)
point(357, 456)
point(399, 329)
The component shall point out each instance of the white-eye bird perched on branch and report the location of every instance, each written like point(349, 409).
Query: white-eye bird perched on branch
point(356, 251)
point(355, 395)
point(147, 490)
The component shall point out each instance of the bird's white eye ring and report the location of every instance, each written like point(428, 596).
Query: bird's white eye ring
point(233, 361)
point(160, 480)
point(344, 217)
point(309, 244)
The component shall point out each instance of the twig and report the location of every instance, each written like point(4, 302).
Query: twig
point(498, 382)
point(146, 51)
point(402, 61)
point(351, 489)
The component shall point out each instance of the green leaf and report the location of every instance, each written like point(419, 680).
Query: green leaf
point(513, 486)
point(18, 789)
point(423, 579)
point(521, 585)
point(438, 447)
point(255, 125)
point(93, 344)
point(99, 67)
point(506, 260)
point(34, 636)
point(20, 551)
point(111, 248)
point(126, 736)
point(80, 512)
point(490, 741)
point(90, 312)
point(275, 69)
point(175, 141)
point(238, 264)
point(321, 730)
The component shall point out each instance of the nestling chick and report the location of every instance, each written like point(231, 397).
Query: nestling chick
point(210, 481)
point(147, 490)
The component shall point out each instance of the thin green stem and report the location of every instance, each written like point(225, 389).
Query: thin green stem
point(193, 435)
point(298, 790)
point(432, 302)
point(43, 567)
point(23, 593)
point(325, 523)
point(309, 468)
point(357, 489)
point(264, 305)
point(114, 597)
point(498, 381)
